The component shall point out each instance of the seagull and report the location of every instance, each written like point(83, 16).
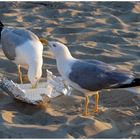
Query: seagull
point(25, 49)
point(89, 76)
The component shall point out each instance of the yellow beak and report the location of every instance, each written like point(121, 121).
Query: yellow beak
point(43, 41)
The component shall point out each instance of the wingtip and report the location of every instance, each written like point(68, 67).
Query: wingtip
point(1, 24)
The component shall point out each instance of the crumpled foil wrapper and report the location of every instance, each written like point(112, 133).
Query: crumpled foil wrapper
point(53, 87)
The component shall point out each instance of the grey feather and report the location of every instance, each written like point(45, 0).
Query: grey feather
point(96, 75)
point(11, 38)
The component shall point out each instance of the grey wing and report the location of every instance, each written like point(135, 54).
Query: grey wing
point(95, 76)
point(100, 63)
point(8, 45)
point(106, 66)
point(93, 61)
point(11, 38)
point(26, 34)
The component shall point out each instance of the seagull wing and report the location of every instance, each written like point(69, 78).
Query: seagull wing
point(95, 75)
point(12, 38)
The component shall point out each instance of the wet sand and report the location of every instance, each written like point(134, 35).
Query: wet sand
point(106, 31)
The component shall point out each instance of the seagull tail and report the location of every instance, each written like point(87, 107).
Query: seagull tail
point(1, 24)
point(135, 83)
point(133, 87)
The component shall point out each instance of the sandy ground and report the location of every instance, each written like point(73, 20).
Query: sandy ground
point(105, 31)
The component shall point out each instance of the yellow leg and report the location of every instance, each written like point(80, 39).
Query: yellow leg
point(43, 41)
point(20, 75)
point(85, 113)
point(96, 102)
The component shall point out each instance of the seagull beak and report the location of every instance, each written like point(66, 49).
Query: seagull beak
point(49, 45)
point(43, 41)
point(35, 85)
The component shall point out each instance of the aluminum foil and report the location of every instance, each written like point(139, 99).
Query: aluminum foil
point(53, 87)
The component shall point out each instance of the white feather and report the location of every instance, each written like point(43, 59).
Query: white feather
point(29, 52)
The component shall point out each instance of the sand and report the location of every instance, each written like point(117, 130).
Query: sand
point(106, 31)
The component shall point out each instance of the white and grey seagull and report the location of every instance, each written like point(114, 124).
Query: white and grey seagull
point(25, 49)
point(89, 75)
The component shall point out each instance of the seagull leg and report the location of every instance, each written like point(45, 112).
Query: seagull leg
point(96, 102)
point(85, 113)
point(20, 75)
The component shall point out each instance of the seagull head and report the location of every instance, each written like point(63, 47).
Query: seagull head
point(59, 49)
point(34, 79)
point(34, 74)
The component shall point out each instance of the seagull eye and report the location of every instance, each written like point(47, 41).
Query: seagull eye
point(54, 45)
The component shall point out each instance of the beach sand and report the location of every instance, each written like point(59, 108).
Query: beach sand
point(106, 31)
